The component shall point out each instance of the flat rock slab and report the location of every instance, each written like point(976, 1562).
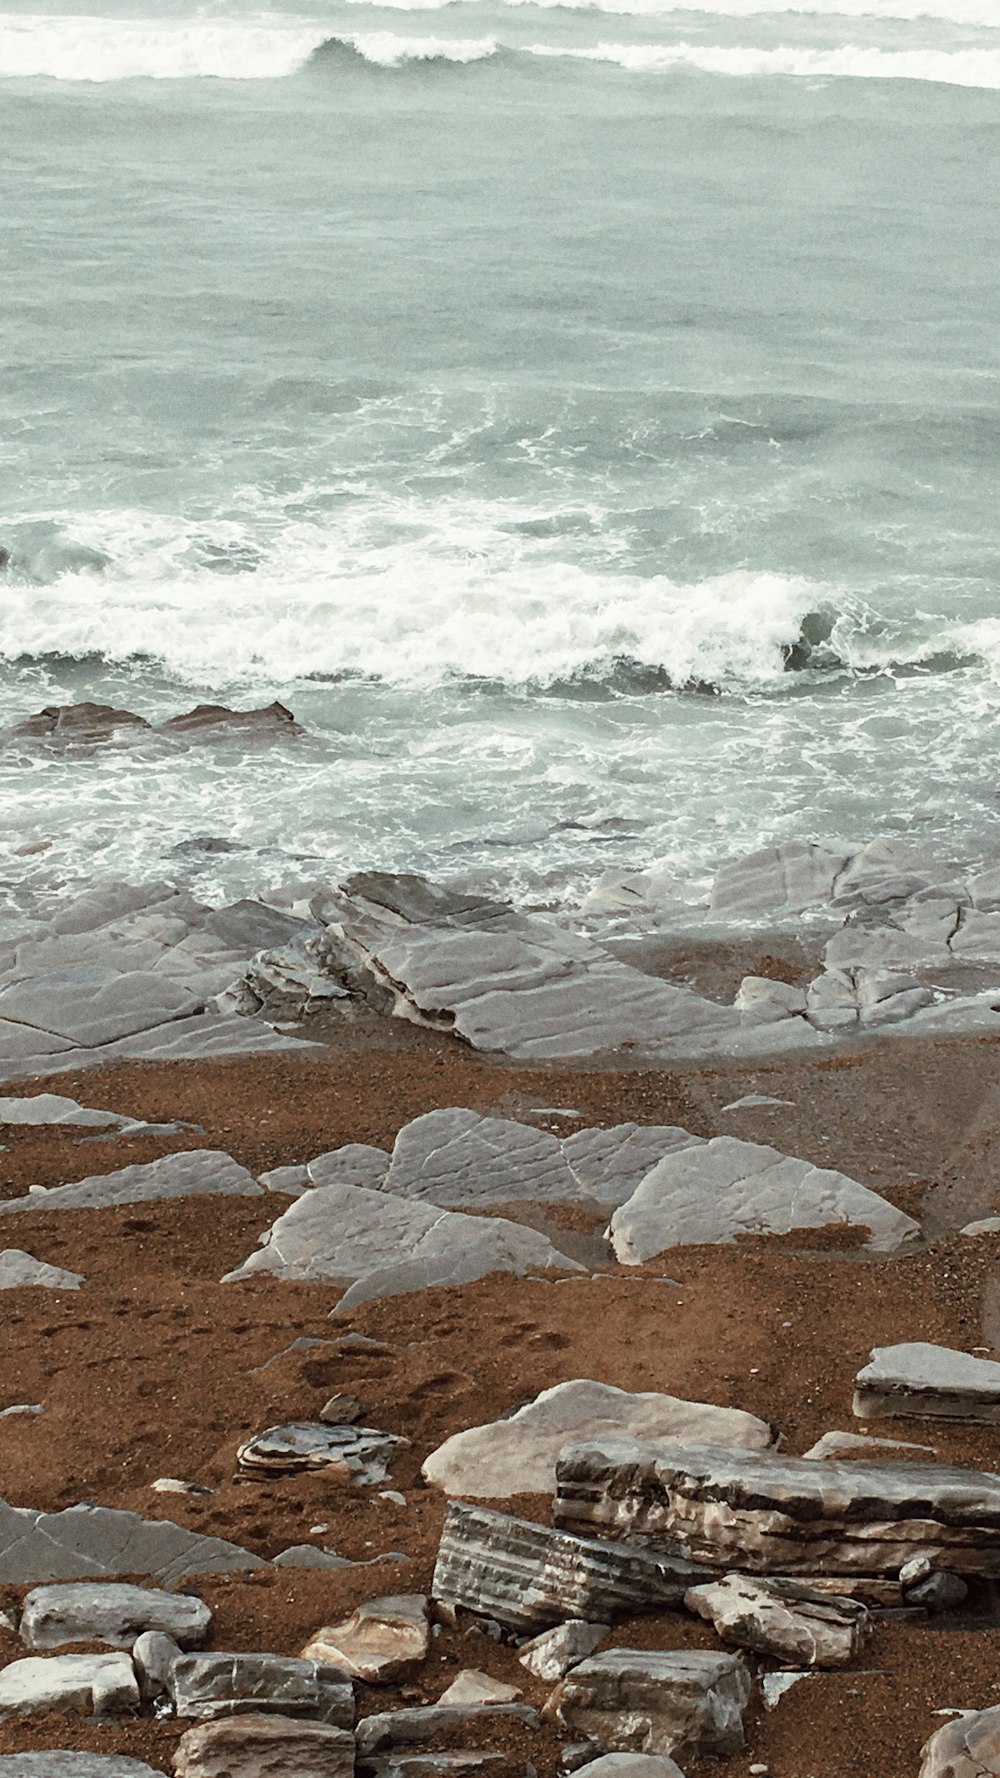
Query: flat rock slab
point(529, 1577)
point(256, 1746)
point(111, 1613)
point(763, 1513)
point(356, 1163)
point(196, 1172)
point(89, 1542)
point(471, 1686)
point(70, 1763)
point(725, 1188)
point(382, 1641)
point(921, 1381)
point(421, 1725)
point(610, 1164)
point(459, 1157)
point(782, 1618)
point(359, 1454)
point(683, 1701)
point(969, 1747)
point(382, 1246)
point(222, 1684)
point(551, 1655)
point(518, 1455)
point(634, 1765)
point(18, 1270)
point(88, 1685)
point(55, 1109)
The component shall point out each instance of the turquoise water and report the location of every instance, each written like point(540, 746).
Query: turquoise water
point(584, 417)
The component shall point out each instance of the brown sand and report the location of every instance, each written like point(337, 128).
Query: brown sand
point(153, 1369)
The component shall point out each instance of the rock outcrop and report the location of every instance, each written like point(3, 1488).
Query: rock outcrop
point(969, 1747)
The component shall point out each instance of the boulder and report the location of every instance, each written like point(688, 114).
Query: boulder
point(518, 1455)
point(457, 1158)
point(921, 1381)
point(86, 1685)
point(217, 1684)
point(110, 1613)
point(555, 1651)
point(782, 1618)
point(357, 1454)
point(528, 1577)
point(192, 1173)
point(380, 1642)
point(609, 1164)
point(153, 1657)
point(261, 1746)
point(83, 723)
point(211, 722)
point(786, 878)
point(472, 1687)
point(419, 1726)
point(381, 1245)
point(726, 1187)
point(969, 1747)
point(87, 1542)
point(18, 1269)
point(763, 1513)
point(632, 1700)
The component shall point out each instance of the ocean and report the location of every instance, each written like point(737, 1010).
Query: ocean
point(584, 416)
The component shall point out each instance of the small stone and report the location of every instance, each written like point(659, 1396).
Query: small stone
point(417, 1727)
point(380, 1642)
point(341, 1410)
point(916, 1569)
point(552, 1654)
point(634, 1765)
point(939, 1592)
point(171, 1484)
point(472, 1687)
point(352, 1454)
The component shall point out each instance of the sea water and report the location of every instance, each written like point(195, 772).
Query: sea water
point(584, 416)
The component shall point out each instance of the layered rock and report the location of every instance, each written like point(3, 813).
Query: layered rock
point(218, 1684)
point(969, 1747)
point(782, 1618)
point(681, 1701)
point(359, 1454)
point(257, 1746)
point(919, 1381)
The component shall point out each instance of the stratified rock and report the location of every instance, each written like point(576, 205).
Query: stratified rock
point(424, 1723)
point(70, 1763)
point(610, 1163)
point(554, 1652)
point(110, 1613)
point(18, 1269)
point(472, 1687)
point(387, 1245)
point(528, 1577)
point(457, 1157)
point(197, 1171)
point(969, 1747)
point(87, 1542)
point(796, 875)
point(518, 1455)
point(215, 721)
point(380, 1642)
point(783, 1618)
point(87, 1685)
point(727, 1188)
point(784, 1515)
point(256, 1746)
point(920, 1381)
point(214, 1685)
point(846, 1444)
point(348, 1453)
point(648, 1701)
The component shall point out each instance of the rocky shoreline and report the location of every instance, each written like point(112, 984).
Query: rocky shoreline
point(505, 1356)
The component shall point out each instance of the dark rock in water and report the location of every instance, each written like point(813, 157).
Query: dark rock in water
point(207, 843)
point(211, 719)
point(4, 559)
point(76, 722)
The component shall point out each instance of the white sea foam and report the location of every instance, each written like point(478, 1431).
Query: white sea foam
point(973, 67)
point(976, 13)
point(387, 50)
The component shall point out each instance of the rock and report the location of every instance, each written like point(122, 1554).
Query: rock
point(214, 1685)
point(473, 1687)
point(727, 1188)
point(110, 1613)
point(424, 1723)
point(349, 1453)
point(256, 1746)
point(791, 877)
point(87, 1542)
point(341, 1410)
point(679, 1701)
point(404, 1763)
point(19, 1269)
point(775, 1685)
point(380, 1642)
point(764, 1000)
point(306, 1555)
point(634, 1765)
point(83, 723)
point(53, 1108)
point(215, 721)
point(197, 1171)
point(843, 1444)
point(782, 1618)
point(969, 1747)
point(87, 1685)
point(529, 1577)
point(609, 1164)
point(388, 1245)
point(70, 1763)
point(987, 1225)
point(938, 1592)
point(354, 1164)
point(458, 1157)
point(518, 1455)
point(554, 1652)
point(763, 1513)
point(920, 1381)
point(153, 1657)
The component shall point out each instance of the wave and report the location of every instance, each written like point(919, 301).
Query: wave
point(384, 49)
point(975, 13)
point(972, 68)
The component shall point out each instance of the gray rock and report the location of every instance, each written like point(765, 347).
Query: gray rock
point(91, 1006)
point(764, 1000)
point(529, 1577)
point(87, 1685)
point(682, 1701)
point(89, 1542)
point(763, 1513)
point(726, 1188)
point(405, 1763)
point(610, 1164)
point(18, 1269)
point(551, 1655)
point(153, 1657)
point(111, 1613)
point(788, 878)
point(356, 1163)
point(633, 1765)
point(457, 1157)
point(380, 1642)
point(424, 1723)
point(969, 1747)
point(198, 1171)
point(259, 1746)
point(382, 1245)
point(920, 1381)
point(359, 1454)
point(306, 1555)
point(342, 1410)
point(782, 1618)
point(518, 1455)
point(53, 1108)
point(70, 1763)
point(938, 1592)
point(470, 1686)
point(842, 1444)
point(219, 1684)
